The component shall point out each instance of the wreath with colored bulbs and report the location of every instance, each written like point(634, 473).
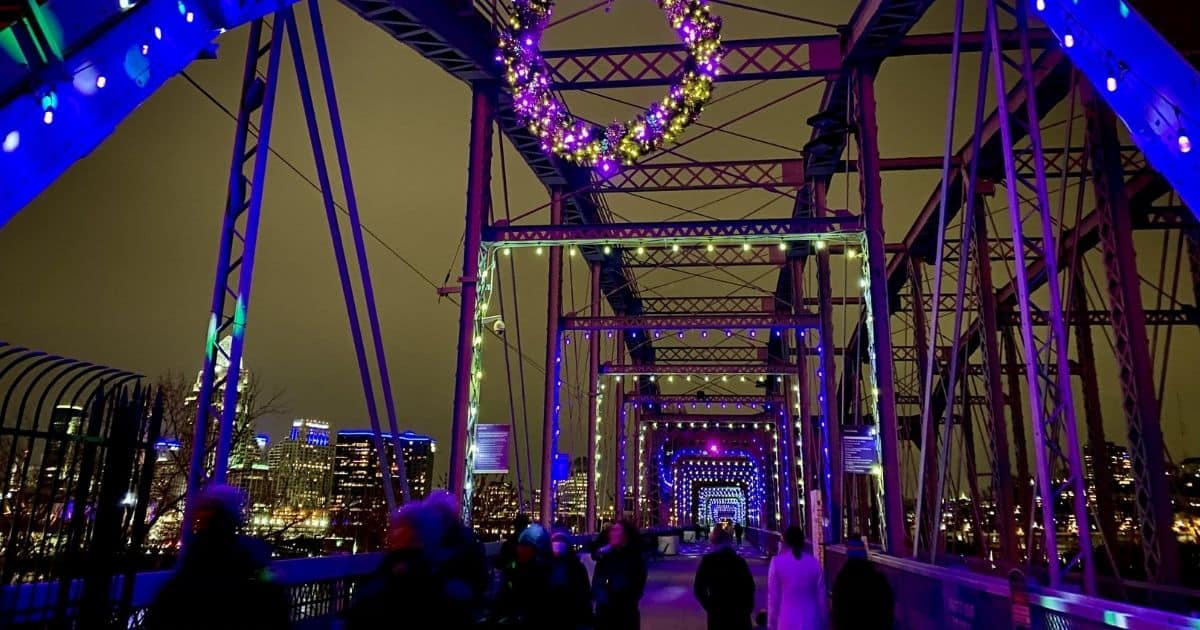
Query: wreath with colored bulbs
point(621, 143)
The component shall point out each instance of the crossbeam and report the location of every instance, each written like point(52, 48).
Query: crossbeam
point(713, 354)
point(841, 228)
point(744, 369)
point(695, 400)
point(728, 323)
point(708, 304)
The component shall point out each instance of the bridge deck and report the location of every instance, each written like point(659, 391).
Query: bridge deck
point(669, 604)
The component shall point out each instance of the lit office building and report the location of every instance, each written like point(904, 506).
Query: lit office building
point(358, 511)
point(302, 466)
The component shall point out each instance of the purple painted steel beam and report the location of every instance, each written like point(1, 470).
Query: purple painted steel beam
point(593, 429)
point(245, 269)
point(553, 341)
point(620, 447)
point(478, 200)
point(711, 354)
point(723, 304)
point(339, 249)
point(743, 60)
point(227, 259)
point(706, 422)
point(1002, 481)
point(690, 322)
point(831, 441)
point(828, 228)
point(881, 338)
point(1139, 399)
point(667, 400)
point(683, 370)
point(360, 250)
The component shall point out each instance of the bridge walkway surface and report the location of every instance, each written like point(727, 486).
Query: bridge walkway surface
point(669, 604)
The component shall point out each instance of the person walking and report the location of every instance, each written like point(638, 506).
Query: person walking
point(724, 586)
point(223, 577)
point(524, 591)
point(568, 590)
point(795, 587)
point(620, 579)
point(862, 597)
point(738, 530)
point(434, 572)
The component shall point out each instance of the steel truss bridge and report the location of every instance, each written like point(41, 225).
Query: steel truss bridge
point(959, 355)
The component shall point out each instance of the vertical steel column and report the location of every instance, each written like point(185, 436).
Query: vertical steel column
point(594, 405)
point(803, 391)
point(479, 176)
point(258, 95)
point(360, 249)
point(1002, 481)
point(1138, 396)
point(619, 442)
point(550, 402)
point(639, 470)
point(1051, 399)
point(339, 250)
point(1192, 237)
point(968, 433)
point(1021, 496)
point(1097, 447)
point(831, 442)
point(929, 502)
point(879, 324)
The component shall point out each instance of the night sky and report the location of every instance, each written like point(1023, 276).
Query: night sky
point(114, 263)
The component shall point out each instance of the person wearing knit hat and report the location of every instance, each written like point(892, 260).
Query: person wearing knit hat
point(523, 591)
point(569, 592)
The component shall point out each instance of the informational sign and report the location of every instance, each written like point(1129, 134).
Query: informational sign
point(491, 449)
point(859, 452)
point(562, 467)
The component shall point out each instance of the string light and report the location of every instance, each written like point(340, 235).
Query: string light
point(1185, 143)
point(621, 143)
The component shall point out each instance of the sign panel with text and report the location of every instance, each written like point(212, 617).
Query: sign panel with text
point(491, 449)
point(860, 455)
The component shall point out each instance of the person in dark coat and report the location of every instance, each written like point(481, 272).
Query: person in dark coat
point(432, 575)
point(568, 593)
point(508, 548)
point(738, 530)
point(522, 597)
point(862, 597)
point(223, 579)
point(619, 579)
point(724, 586)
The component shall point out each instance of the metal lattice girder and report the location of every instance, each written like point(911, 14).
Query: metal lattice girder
point(744, 369)
point(705, 176)
point(1074, 161)
point(709, 305)
point(713, 354)
point(915, 400)
point(743, 60)
point(703, 421)
point(664, 323)
point(1187, 315)
point(723, 256)
point(836, 228)
point(695, 401)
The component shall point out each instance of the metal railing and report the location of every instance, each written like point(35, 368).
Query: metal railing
point(319, 589)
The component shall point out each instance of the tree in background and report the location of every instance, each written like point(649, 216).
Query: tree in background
point(168, 491)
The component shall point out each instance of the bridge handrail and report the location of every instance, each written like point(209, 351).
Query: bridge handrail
point(1074, 609)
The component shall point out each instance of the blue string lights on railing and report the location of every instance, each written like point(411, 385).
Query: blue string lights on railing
point(620, 143)
point(1145, 81)
point(118, 52)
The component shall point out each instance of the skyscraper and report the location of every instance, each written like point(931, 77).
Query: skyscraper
point(358, 511)
point(302, 465)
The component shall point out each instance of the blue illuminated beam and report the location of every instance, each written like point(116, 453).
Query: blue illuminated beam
point(1149, 84)
point(54, 111)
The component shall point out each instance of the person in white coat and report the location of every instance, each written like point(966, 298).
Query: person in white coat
point(795, 587)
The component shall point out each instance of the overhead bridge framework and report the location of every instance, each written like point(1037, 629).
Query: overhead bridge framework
point(987, 362)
